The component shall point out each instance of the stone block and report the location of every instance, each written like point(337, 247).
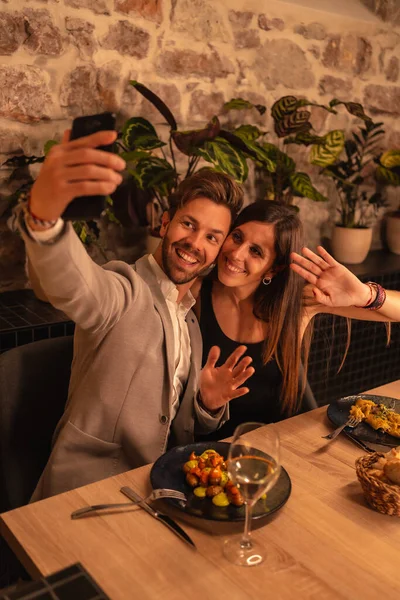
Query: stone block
point(24, 94)
point(392, 69)
point(134, 104)
point(127, 39)
point(246, 38)
point(335, 86)
point(43, 36)
point(313, 31)
point(204, 105)
point(394, 140)
point(81, 36)
point(11, 141)
point(79, 92)
point(184, 63)
point(314, 50)
point(148, 9)
point(348, 53)
point(282, 62)
point(100, 7)
point(384, 100)
point(199, 20)
point(240, 18)
point(12, 32)
point(267, 24)
point(109, 84)
point(387, 10)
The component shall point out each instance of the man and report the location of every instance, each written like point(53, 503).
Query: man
point(135, 383)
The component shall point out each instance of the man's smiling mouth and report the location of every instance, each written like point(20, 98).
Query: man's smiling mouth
point(185, 257)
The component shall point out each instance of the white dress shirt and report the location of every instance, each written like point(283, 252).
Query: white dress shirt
point(178, 312)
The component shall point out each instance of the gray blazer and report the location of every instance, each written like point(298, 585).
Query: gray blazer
point(118, 411)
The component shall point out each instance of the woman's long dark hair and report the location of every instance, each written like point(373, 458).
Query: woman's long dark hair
point(280, 304)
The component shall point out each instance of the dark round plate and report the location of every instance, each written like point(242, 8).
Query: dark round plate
point(338, 413)
point(167, 472)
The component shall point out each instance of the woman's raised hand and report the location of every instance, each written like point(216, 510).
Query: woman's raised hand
point(218, 385)
point(332, 283)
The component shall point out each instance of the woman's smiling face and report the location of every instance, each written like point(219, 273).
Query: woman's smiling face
point(247, 255)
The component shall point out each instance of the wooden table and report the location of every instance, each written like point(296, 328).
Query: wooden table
point(324, 544)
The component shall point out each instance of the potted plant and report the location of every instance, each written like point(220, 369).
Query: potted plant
point(359, 180)
point(388, 171)
point(156, 166)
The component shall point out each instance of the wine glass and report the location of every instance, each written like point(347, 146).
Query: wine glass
point(254, 472)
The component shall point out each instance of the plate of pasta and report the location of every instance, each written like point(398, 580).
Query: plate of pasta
point(199, 471)
point(379, 417)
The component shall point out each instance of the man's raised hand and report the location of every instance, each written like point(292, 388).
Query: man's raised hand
point(75, 168)
point(219, 385)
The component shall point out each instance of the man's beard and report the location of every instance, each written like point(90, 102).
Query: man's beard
point(176, 273)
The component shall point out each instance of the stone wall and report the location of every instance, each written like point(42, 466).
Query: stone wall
point(62, 58)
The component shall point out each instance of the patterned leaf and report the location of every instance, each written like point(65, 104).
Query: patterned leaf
point(188, 141)
point(354, 108)
point(305, 102)
point(134, 155)
point(248, 132)
point(304, 138)
point(250, 149)
point(289, 104)
point(48, 146)
point(387, 176)
point(302, 186)
point(240, 104)
point(284, 106)
point(327, 153)
point(282, 161)
point(139, 134)
point(153, 172)
point(390, 159)
point(292, 123)
point(225, 158)
point(157, 102)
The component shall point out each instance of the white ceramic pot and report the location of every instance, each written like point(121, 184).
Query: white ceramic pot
point(351, 245)
point(152, 243)
point(393, 233)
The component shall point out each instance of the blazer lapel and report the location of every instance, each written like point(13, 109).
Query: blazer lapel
point(183, 424)
point(145, 271)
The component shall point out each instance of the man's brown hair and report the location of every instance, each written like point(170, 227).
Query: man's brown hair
point(217, 187)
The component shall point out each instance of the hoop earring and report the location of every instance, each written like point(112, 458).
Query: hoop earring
point(267, 280)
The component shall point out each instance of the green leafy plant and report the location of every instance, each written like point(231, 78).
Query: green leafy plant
point(155, 165)
point(358, 168)
point(87, 231)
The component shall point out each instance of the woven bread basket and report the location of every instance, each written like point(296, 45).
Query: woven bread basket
point(383, 497)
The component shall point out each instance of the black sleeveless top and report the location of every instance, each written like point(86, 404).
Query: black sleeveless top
point(262, 402)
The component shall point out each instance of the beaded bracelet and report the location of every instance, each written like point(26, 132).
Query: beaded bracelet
point(380, 297)
point(25, 197)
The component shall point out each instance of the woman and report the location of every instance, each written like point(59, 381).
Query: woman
point(259, 300)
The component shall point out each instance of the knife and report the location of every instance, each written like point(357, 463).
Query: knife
point(358, 442)
point(165, 519)
point(372, 447)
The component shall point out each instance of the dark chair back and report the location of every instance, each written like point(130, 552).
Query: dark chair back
point(34, 381)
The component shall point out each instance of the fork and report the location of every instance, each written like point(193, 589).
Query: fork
point(155, 495)
point(351, 422)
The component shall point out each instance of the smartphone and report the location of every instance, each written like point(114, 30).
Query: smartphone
point(85, 208)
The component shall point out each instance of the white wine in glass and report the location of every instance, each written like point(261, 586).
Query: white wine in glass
point(255, 472)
